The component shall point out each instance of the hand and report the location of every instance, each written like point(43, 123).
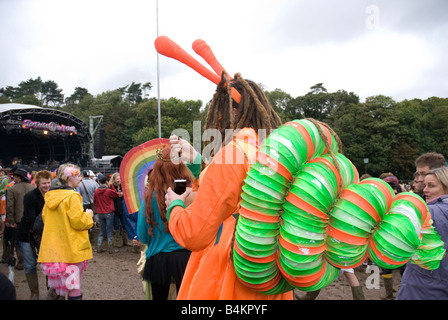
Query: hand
point(90, 211)
point(170, 196)
point(188, 153)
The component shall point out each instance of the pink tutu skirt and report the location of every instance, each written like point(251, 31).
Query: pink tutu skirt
point(64, 277)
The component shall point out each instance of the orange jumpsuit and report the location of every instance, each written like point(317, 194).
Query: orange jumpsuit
point(206, 227)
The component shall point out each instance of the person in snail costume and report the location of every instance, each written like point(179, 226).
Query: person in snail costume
point(207, 226)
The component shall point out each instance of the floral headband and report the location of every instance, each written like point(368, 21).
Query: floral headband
point(71, 172)
point(160, 156)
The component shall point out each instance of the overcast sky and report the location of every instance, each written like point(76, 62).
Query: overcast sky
point(392, 47)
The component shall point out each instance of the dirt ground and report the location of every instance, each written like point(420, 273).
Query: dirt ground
point(115, 277)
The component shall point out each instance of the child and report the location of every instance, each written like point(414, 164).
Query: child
point(104, 202)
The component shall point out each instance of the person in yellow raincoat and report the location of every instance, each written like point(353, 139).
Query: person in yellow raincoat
point(65, 246)
point(206, 227)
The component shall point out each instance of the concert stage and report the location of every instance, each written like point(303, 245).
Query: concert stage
point(42, 136)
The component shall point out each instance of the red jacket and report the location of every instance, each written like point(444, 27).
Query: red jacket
point(104, 199)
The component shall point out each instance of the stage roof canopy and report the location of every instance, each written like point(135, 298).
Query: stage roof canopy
point(35, 134)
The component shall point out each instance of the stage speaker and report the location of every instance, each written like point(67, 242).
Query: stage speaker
point(99, 144)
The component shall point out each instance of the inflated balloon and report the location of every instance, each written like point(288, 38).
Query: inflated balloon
point(305, 215)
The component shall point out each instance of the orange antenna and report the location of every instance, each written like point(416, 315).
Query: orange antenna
point(170, 49)
point(204, 50)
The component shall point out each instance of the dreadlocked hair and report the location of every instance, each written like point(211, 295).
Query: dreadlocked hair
point(162, 177)
point(253, 111)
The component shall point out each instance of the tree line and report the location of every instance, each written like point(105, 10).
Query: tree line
point(390, 134)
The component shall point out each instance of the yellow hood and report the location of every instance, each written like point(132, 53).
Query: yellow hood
point(53, 198)
point(65, 237)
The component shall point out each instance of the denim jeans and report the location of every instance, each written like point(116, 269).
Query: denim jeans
point(106, 227)
point(29, 258)
point(118, 220)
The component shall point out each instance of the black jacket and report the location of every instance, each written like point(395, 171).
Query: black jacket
point(33, 202)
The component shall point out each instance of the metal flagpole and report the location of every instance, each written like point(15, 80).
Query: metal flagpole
point(158, 78)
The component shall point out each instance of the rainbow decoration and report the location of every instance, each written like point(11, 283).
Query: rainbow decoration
point(135, 167)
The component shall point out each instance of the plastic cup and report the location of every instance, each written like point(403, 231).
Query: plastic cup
point(401, 228)
point(257, 228)
point(259, 275)
point(297, 140)
point(282, 287)
point(304, 240)
point(265, 231)
point(267, 181)
point(300, 222)
point(248, 248)
point(255, 278)
point(261, 187)
point(380, 258)
point(261, 204)
point(350, 224)
point(300, 269)
point(313, 282)
point(315, 185)
point(302, 232)
point(279, 153)
point(372, 195)
point(348, 171)
point(285, 147)
point(256, 240)
point(270, 173)
point(431, 252)
point(310, 196)
point(330, 274)
point(305, 138)
point(344, 255)
point(318, 145)
point(262, 193)
point(261, 210)
point(396, 249)
point(297, 257)
point(344, 206)
point(304, 214)
point(318, 177)
point(382, 192)
point(408, 210)
point(246, 264)
point(419, 206)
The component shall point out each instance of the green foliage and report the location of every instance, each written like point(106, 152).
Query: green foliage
point(36, 92)
point(390, 134)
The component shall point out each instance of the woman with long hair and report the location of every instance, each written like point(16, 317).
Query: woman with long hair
point(120, 236)
point(165, 259)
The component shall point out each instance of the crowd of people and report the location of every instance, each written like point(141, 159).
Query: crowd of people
point(188, 237)
point(50, 218)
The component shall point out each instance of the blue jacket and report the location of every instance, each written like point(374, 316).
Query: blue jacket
point(162, 241)
point(421, 284)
